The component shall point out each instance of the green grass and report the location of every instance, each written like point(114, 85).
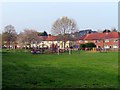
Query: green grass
point(84, 69)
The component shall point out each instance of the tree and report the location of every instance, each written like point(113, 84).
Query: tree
point(43, 34)
point(82, 46)
point(114, 30)
point(63, 26)
point(9, 35)
point(90, 45)
point(0, 39)
point(106, 31)
point(28, 37)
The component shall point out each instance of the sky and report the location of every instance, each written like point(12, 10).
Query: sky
point(119, 16)
point(41, 15)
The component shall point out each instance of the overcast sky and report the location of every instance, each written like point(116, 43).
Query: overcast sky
point(41, 15)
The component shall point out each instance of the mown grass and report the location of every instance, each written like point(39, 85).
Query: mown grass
point(81, 69)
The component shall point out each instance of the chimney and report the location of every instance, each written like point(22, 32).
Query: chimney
point(49, 35)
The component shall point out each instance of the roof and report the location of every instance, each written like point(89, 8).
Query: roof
point(51, 38)
point(82, 37)
point(98, 36)
point(43, 38)
point(55, 38)
point(47, 38)
point(93, 36)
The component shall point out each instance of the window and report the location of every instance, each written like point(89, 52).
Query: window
point(97, 41)
point(86, 41)
point(115, 46)
point(106, 40)
point(116, 40)
point(106, 47)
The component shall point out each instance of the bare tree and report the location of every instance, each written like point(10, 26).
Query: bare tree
point(63, 26)
point(29, 36)
point(0, 39)
point(9, 35)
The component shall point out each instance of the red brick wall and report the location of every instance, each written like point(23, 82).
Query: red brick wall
point(101, 43)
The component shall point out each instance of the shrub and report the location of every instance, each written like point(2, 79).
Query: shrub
point(90, 45)
point(82, 45)
point(87, 45)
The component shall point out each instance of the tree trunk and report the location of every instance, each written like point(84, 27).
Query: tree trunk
point(64, 45)
point(9, 45)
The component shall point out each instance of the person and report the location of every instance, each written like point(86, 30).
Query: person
point(76, 47)
point(71, 47)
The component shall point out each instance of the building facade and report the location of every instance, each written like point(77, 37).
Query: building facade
point(109, 40)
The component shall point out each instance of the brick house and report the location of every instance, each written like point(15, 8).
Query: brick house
point(109, 40)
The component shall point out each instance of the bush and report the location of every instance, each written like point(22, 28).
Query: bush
point(82, 45)
point(87, 45)
point(90, 45)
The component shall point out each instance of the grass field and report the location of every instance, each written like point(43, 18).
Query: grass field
point(81, 69)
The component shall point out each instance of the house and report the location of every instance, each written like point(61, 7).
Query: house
point(103, 40)
point(47, 41)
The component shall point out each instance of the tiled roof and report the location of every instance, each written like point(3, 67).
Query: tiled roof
point(82, 37)
point(43, 38)
point(98, 36)
point(93, 36)
point(51, 38)
point(54, 38)
point(47, 38)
